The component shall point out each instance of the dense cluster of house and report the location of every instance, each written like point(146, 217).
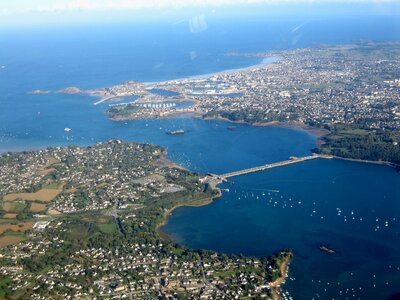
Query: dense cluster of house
point(140, 271)
point(313, 86)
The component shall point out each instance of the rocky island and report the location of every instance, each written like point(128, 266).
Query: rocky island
point(326, 249)
point(176, 132)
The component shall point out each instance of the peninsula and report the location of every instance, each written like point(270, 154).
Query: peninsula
point(82, 222)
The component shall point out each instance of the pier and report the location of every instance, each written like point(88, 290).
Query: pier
point(108, 98)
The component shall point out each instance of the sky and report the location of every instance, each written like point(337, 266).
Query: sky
point(48, 11)
point(23, 6)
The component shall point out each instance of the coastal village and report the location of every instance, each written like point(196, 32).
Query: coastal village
point(349, 94)
point(96, 234)
point(355, 84)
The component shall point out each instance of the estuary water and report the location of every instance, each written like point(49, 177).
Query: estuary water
point(350, 207)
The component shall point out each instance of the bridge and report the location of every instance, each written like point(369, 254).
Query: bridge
point(292, 160)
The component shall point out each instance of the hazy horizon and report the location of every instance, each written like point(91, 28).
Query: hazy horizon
point(76, 13)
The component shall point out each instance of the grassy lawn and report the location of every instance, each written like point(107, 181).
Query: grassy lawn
point(8, 221)
point(354, 132)
point(13, 233)
point(343, 134)
point(18, 207)
point(77, 232)
point(13, 207)
point(108, 228)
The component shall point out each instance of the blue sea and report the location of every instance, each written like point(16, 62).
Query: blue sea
point(350, 207)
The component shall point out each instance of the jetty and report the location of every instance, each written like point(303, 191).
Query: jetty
point(108, 98)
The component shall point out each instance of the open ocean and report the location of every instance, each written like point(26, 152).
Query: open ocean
point(352, 207)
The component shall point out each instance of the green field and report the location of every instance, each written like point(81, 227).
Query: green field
point(108, 228)
point(13, 207)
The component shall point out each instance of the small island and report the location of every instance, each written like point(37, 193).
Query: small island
point(39, 92)
point(326, 249)
point(70, 90)
point(176, 132)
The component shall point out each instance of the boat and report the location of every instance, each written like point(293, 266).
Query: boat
point(231, 127)
point(66, 129)
point(180, 131)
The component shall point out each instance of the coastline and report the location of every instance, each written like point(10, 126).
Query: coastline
point(276, 285)
point(164, 161)
point(366, 161)
point(195, 203)
point(264, 62)
point(317, 132)
point(164, 116)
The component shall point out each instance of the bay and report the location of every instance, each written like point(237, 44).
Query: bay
point(350, 207)
point(238, 222)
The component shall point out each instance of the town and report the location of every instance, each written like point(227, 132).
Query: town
point(354, 84)
point(84, 222)
point(352, 91)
